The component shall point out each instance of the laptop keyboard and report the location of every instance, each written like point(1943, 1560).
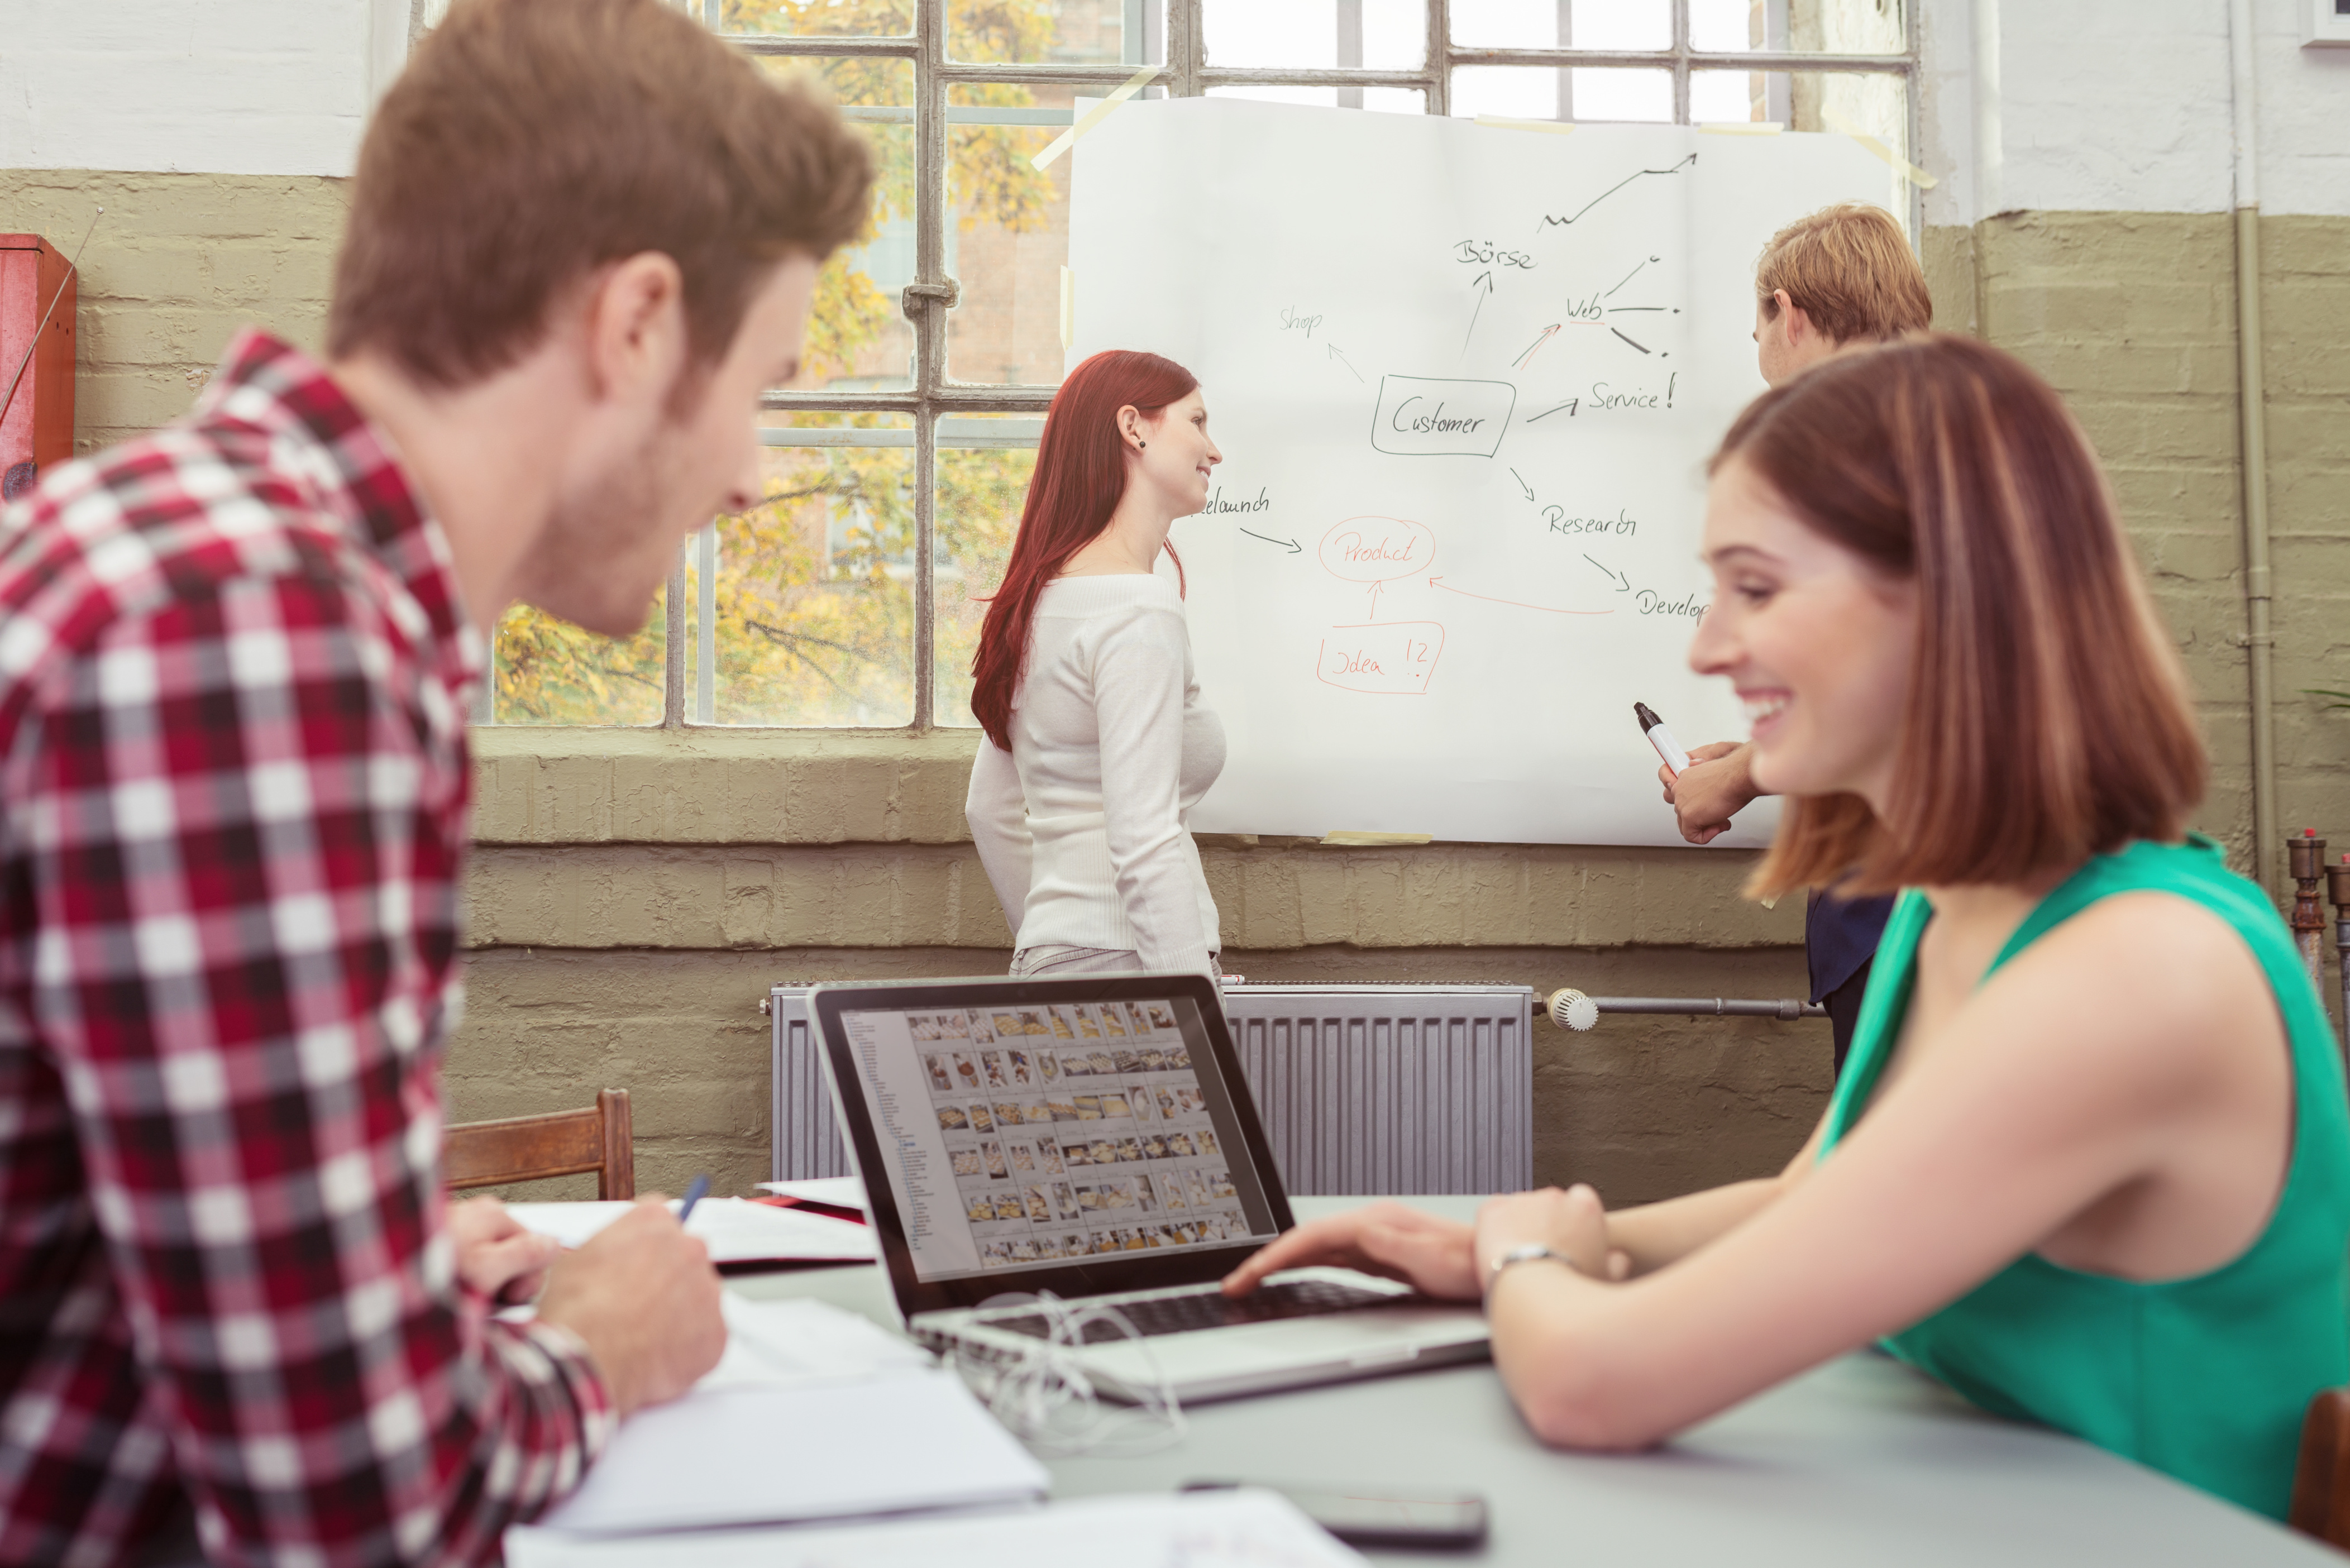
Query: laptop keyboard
point(1155, 1315)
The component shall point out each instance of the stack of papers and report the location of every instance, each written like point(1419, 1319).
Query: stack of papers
point(735, 1231)
point(801, 1342)
point(765, 1453)
point(1198, 1530)
point(812, 1413)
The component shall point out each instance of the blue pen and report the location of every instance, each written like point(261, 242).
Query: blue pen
point(695, 1191)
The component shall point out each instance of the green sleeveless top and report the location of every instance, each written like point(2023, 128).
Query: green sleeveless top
point(2204, 1378)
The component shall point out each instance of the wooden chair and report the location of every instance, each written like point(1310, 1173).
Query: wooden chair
point(565, 1143)
point(2321, 1481)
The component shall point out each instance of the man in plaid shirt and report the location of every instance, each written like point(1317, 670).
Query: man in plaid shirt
point(236, 1312)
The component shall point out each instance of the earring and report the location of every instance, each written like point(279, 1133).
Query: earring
point(1140, 444)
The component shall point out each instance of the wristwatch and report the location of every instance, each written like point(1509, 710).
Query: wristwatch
point(1530, 1252)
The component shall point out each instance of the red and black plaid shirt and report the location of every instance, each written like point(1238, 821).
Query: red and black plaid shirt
point(234, 673)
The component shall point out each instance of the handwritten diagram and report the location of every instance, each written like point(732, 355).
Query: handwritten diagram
point(1393, 659)
point(1466, 380)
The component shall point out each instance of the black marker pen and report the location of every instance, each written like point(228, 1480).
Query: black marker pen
point(1660, 738)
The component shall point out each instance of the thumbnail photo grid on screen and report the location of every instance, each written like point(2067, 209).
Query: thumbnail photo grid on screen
point(1076, 1129)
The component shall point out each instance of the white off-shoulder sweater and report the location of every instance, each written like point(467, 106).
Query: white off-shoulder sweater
point(1083, 826)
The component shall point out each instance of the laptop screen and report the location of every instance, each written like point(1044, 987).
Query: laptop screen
point(1019, 1136)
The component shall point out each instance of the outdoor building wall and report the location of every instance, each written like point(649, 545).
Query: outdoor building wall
point(637, 892)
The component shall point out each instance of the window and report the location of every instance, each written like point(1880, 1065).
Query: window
point(896, 469)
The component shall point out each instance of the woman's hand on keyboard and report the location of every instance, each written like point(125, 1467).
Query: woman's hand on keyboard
point(1436, 1257)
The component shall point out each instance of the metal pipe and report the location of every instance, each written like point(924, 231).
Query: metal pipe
point(2260, 640)
point(1571, 1009)
point(1784, 1007)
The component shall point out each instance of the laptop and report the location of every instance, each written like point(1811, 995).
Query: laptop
point(1094, 1138)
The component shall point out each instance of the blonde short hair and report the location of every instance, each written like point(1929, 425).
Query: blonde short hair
point(1850, 269)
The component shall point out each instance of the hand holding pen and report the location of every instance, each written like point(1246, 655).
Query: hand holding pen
point(1705, 787)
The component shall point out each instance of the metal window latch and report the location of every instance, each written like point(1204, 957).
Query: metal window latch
point(948, 294)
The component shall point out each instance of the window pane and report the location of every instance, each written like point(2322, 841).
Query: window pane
point(1735, 25)
point(547, 671)
point(1073, 32)
point(1844, 26)
point(1390, 36)
point(1008, 230)
point(809, 602)
point(1564, 24)
point(1583, 93)
point(1379, 101)
point(831, 19)
point(1869, 103)
point(984, 461)
point(859, 337)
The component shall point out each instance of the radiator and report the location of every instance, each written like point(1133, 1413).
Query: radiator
point(1363, 1089)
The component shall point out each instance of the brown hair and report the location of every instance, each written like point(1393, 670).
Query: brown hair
point(1850, 269)
point(530, 142)
point(2048, 717)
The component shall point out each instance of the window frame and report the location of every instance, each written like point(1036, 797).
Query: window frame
point(1183, 73)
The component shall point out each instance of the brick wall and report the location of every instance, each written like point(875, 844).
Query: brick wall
point(177, 262)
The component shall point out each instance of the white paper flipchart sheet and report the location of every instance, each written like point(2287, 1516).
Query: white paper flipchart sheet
point(1465, 379)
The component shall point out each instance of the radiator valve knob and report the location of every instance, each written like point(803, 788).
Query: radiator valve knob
point(1570, 1009)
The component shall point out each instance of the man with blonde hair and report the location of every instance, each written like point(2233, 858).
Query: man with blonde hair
point(1842, 278)
point(243, 1322)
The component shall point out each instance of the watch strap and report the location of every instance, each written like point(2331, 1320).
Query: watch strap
point(1530, 1252)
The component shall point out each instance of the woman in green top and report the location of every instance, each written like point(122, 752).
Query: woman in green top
point(2090, 1161)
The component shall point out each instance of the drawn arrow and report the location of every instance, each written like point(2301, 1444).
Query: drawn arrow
point(1522, 484)
point(1623, 584)
point(1562, 223)
point(1374, 599)
point(1487, 279)
point(1547, 609)
point(1536, 347)
point(1294, 546)
point(1629, 277)
point(1346, 362)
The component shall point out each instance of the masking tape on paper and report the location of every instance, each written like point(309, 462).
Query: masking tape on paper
point(1742, 128)
point(1068, 309)
point(1837, 121)
point(1372, 840)
point(1555, 127)
point(1094, 115)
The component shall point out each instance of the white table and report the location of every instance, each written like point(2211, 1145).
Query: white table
point(1861, 1463)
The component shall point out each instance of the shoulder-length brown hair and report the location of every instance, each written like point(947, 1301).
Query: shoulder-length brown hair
point(2048, 717)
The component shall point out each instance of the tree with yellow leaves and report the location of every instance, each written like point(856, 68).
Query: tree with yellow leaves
point(814, 585)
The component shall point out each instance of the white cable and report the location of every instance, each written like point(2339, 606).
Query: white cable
point(1043, 1396)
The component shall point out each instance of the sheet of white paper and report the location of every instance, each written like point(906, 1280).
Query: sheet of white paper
point(1465, 379)
point(786, 1452)
point(801, 1341)
point(1200, 1529)
point(840, 1191)
point(736, 1229)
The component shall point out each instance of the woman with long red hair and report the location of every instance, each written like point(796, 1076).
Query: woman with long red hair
point(1097, 745)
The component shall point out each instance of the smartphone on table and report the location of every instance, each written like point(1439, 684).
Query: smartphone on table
point(1428, 1518)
